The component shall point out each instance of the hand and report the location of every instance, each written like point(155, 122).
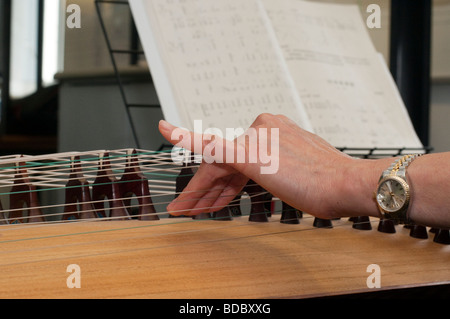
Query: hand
point(312, 175)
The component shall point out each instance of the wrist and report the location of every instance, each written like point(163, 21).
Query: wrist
point(360, 183)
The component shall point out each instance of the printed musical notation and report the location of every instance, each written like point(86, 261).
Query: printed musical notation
point(343, 84)
point(223, 66)
point(225, 62)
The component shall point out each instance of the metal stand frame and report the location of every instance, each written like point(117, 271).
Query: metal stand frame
point(134, 53)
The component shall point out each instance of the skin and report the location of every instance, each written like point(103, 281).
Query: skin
point(312, 176)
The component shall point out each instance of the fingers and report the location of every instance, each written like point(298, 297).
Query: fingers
point(230, 163)
point(181, 137)
point(213, 185)
point(193, 202)
point(212, 147)
point(211, 189)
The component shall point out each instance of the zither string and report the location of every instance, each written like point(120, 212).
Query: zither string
point(148, 163)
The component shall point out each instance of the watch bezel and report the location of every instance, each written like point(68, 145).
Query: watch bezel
point(407, 194)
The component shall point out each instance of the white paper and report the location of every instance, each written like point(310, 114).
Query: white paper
point(225, 62)
point(218, 61)
point(346, 89)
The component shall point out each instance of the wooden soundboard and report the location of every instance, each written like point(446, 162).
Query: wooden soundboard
point(185, 258)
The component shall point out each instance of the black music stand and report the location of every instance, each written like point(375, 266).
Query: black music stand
point(133, 51)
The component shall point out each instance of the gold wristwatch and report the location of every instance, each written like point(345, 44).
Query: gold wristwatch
point(393, 193)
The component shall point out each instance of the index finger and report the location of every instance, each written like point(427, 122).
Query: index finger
point(213, 147)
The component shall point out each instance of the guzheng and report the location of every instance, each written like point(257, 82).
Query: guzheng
point(104, 211)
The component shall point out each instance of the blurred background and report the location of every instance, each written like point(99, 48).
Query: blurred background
point(89, 88)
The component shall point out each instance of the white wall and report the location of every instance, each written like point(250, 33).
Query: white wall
point(440, 117)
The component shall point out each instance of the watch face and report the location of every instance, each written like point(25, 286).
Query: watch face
point(393, 194)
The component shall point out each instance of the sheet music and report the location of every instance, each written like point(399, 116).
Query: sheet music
point(215, 61)
point(348, 93)
point(225, 62)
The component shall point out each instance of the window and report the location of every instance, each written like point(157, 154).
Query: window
point(35, 57)
point(53, 40)
point(23, 65)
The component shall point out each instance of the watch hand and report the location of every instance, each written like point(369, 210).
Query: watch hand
point(395, 201)
point(389, 187)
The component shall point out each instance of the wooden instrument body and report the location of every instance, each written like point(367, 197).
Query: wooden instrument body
point(194, 258)
point(211, 259)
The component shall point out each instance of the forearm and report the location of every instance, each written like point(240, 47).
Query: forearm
point(429, 178)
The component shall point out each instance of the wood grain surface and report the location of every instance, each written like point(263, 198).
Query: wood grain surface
point(183, 258)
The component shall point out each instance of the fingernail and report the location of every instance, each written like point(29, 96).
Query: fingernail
point(169, 207)
point(164, 125)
